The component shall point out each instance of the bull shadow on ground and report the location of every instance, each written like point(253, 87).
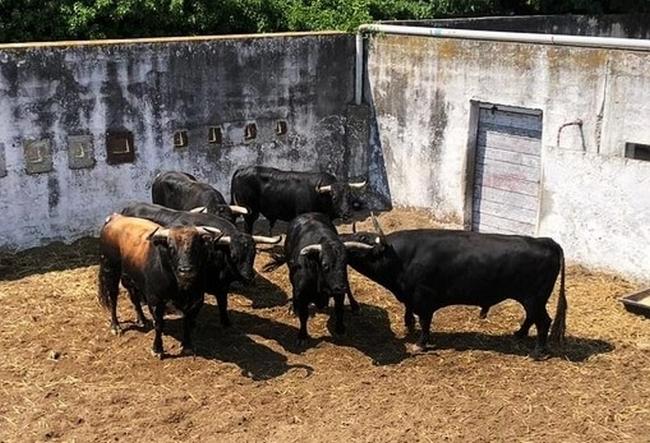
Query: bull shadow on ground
point(575, 349)
point(51, 258)
point(262, 292)
point(233, 345)
point(370, 333)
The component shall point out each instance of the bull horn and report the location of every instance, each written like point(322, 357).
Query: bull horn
point(324, 189)
point(311, 248)
point(199, 210)
point(239, 209)
point(209, 230)
point(358, 185)
point(375, 223)
point(356, 245)
point(267, 240)
point(224, 240)
point(159, 233)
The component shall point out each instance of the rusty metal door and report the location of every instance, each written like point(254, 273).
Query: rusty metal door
point(507, 170)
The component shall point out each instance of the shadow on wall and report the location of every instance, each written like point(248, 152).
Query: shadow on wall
point(377, 173)
point(51, 258)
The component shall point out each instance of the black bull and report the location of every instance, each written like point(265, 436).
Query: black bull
point(316, 258)
point(231, 257)
point(430, 269)
point(182, 191)
point(283, 195)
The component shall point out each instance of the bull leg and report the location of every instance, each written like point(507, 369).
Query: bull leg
point(528, 321)
point(136, 300)
point(354, 305)
point(338, 311)
point(158, 311)
point(425, 325)
point(109, 286)
point(249, 220)
point(222, 301)
point(542, 323)
point(189, 322)
point(409, 320)
point(303, 315)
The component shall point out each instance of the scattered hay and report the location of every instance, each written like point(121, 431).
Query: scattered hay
point(63, 376)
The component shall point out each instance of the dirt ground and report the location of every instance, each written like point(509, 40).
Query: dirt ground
point(64, 377)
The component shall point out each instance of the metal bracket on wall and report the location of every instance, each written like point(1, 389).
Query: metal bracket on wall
point(119, 147)
point(38, 156)
point(81, 153)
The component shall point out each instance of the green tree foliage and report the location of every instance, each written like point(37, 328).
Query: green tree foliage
point(31, 20)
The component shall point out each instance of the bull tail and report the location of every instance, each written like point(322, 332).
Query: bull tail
point(108, 282)
point(277, 260)
point(558, 328)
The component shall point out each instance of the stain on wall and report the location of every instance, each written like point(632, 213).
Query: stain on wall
point(153, 90)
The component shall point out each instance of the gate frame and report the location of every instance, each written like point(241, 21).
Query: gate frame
point(470, 157)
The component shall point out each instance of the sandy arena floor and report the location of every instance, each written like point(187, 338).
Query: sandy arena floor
point(64, 377)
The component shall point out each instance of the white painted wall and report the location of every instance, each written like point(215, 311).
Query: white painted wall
point(422, 91)
point(154, 89)
point(598, 209)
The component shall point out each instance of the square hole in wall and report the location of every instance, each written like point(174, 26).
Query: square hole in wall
point(637, 151)
point(3, 161)
point(250, 132)
point(281, 127)
point(81, 153)
point(119, 147)
point(38, 156)
point(215, 135)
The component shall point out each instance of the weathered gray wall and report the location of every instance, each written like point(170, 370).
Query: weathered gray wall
point(595, 203)
point(613, 25)
point(153, 89)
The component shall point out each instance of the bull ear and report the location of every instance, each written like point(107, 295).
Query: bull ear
point(356, 245)
point(325, 189)
point(199, 210)
point(267, 240)
point(239, 209)
point(376, 225)
point(311, 249)
point(358, 185)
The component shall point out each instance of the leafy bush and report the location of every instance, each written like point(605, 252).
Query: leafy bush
point(30, 20)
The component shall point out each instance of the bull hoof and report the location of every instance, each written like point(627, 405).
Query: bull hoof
point(158, 354)
point(418, 348)
point(188, 352)
point(116, 330)
point(143, 324)
point(302, 341)
point(540, 354)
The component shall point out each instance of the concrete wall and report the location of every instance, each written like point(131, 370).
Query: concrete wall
point(613, 25)
point(422, 90)
point(52, 92)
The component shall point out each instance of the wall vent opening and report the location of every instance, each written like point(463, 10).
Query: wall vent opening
point(215, 135)
point(119, 147)
point(637, 151)
point(281, 127)
point(250, 132)
point(180, 139)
